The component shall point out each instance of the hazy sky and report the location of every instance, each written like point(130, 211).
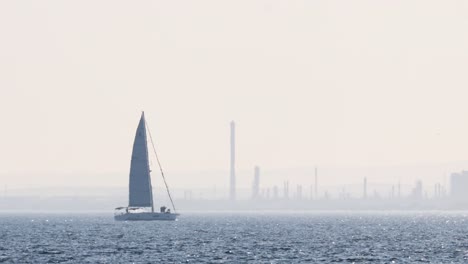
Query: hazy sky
point(334, 83)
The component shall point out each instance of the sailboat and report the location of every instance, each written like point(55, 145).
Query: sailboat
point(140, 204)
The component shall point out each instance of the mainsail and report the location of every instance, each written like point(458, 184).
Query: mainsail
point(140, 190)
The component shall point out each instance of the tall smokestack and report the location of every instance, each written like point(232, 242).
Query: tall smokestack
point(365, 188)
point(256, 183)
point(316, 192)
point(399, 190)
point(232, 186)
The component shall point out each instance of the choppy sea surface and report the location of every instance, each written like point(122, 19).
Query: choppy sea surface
point(237, 238)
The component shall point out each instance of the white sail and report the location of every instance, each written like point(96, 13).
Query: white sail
point(140, 191)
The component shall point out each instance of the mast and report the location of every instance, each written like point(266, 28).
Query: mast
point(147, 159)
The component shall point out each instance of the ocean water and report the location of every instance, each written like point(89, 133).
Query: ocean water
point(237, 238)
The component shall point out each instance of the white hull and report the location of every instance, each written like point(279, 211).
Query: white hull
point(146, 216)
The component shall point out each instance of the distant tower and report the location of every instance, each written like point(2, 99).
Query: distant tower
point(286, 190)
point(299, 192)
point(417, 190)
point(399, 190)
point(232, 187)
point(256, 183)
point(365, 188)
point(315, 187)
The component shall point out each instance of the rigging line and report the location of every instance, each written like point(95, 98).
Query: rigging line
point(160, 168)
